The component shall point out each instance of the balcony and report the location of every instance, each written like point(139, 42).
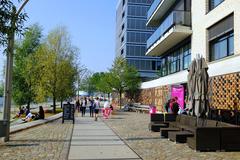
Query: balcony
point(174, 29)
point(157, 10)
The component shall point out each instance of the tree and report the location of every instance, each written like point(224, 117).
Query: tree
point(123, 78)
point(23, 84)
point(1, 90)
point(8, 13)
point(56, 67)
point(83, 82)
point(65, 83)
point(11, 23)
point(132, 81)
point(103, 83)
point(97, 82)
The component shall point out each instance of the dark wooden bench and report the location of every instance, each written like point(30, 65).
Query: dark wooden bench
point(175, 120)
point(156, 122)
point(159, 120)
point(215, 136)
point(164, 131)
point(180, 136)
point(229, 136)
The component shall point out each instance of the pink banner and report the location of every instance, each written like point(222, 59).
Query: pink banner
point(178, 91)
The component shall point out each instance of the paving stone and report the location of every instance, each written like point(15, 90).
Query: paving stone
point(133, 129)
point(101, 152)
point(95, 140)
point(50, 141)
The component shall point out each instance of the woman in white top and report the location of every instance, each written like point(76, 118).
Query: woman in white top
point(96, 108)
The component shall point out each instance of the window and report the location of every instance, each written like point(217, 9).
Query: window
point(175, 61)
point(222, 47)
point(123, 14)
point(214, 3)
point(147, 65)
point(122, 51)
point(158, 65)
point(137, 37)
point(123, 27)
point(186, 56)
point(221, 34)
point(122, 39)
point(138, 11)
point(123, 3)
point(153, 65)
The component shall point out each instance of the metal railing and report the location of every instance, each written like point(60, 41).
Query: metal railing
point(174, 18)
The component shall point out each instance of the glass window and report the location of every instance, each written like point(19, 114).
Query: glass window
point(222, 47)
point(175, 61)
point(123, 3)
point(231, 44)
point(186, 56)
point(123, 14)
point(158, 65)
point(214, 3)
point(122, 51)
point(153, 65)
point(122, 39)
point(123, 27)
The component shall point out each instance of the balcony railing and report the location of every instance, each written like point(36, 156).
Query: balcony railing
point(153, 8)
point(175, 18)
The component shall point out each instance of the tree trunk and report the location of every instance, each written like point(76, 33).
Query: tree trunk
point(120, 99)
point(54, 104)
point(109, 96)
point(28, 105)
point(61, 103)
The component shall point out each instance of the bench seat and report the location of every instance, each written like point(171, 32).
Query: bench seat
point(179, 136)
point(164, 131)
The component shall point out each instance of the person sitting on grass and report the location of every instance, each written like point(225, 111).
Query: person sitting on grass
point(20, 113)
point(28, 118)
point(40, 114)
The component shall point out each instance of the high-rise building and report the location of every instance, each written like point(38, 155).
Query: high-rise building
point(187, 28)
point(132, 34)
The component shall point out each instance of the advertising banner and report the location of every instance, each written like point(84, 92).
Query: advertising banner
point(178, 91)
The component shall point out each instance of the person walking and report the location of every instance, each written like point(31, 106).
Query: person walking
point(106, 110)
point(84, 105)
point(96, 108)
point(78, 105)
point(91, 109)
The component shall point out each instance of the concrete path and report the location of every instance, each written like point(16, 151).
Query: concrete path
point(95, 140)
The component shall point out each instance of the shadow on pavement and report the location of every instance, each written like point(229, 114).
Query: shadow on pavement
point(141, 138)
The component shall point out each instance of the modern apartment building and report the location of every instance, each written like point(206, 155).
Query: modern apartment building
point(185, 29)
point(132, 34)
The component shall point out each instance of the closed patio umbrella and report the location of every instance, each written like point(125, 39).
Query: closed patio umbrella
point(201, 107)
point(191, 85)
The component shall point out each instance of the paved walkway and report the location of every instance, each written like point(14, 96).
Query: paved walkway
point(95, 140)
point(50, 141)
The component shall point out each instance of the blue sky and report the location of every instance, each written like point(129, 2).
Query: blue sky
point(91, 24)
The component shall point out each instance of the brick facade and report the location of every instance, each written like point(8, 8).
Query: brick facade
point(224, 93)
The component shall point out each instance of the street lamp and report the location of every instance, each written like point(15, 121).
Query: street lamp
point(9, 68)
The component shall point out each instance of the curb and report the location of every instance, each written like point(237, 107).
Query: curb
point(21, 127)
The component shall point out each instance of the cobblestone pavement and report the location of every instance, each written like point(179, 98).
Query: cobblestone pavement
point(133, 129)
point(46, 142)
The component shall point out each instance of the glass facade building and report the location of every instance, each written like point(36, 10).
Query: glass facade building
point(132, 34)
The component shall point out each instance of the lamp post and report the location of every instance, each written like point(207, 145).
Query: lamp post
point(9, 68)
